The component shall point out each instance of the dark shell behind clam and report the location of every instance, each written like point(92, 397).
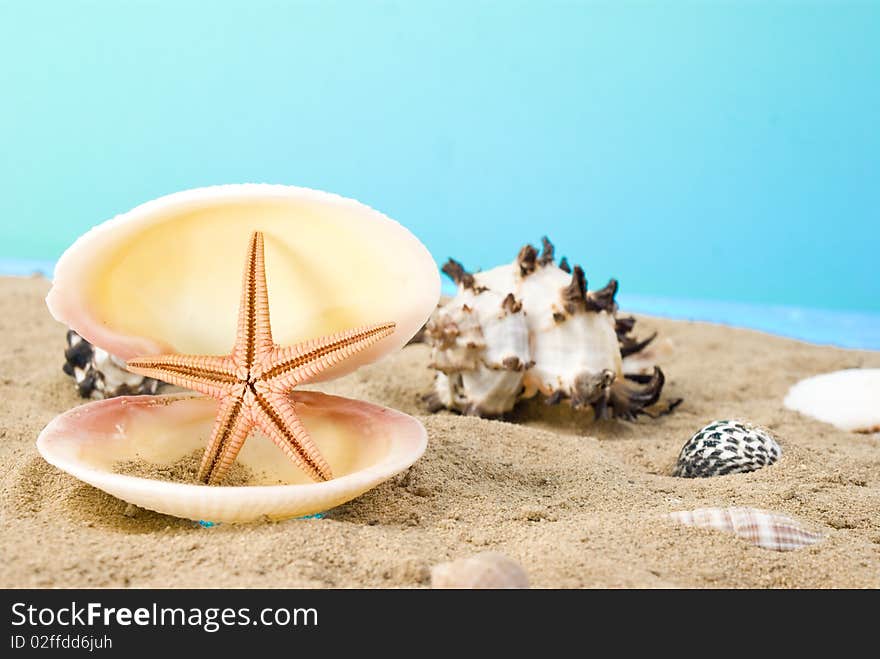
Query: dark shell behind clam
point(98, 375)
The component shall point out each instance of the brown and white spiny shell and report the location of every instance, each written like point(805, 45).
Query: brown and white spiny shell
point(533, 326)
point(482, 348)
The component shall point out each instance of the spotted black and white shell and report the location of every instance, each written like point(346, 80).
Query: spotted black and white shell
point(531, 327)
point(764, 528)
point(98, 374)
point(726, 447)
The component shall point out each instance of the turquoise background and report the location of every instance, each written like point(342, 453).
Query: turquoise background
point(725, 151)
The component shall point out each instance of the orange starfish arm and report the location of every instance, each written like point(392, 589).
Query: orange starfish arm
point(254, 337)
point(231, 429)
point(289, 367)
point(276, 416)
point(253, 383)
point(210, 375)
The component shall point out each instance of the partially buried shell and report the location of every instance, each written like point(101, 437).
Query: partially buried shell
point(763, 528)
point(165, 278)
point(486, 570)
point(726, 447)
point(533, 326)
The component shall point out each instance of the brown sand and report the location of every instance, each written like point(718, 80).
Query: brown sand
point(577, 504)
point(184, 470)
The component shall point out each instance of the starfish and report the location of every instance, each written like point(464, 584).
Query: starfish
point(253, 383)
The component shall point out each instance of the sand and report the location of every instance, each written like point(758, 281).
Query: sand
point(578, 504)
point(184, 470)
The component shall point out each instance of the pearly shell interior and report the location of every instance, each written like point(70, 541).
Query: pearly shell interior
point(166, 276)
point(365, 445)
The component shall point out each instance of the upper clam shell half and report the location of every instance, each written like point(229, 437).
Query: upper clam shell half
point(166, 276)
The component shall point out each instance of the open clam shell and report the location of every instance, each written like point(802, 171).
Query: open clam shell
point(165, 277)
point(365, 445)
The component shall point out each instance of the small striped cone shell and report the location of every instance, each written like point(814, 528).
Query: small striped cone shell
point(764, 528)
point(726, 447)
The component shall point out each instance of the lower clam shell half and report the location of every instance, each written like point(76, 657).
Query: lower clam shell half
point(365, 445)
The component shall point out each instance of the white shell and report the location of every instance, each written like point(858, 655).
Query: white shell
point(166, 276)
point(486, 570)
point(561, 341)
point(485, 351)
point(763, 528)
point(556, 363)
point(848, 399)
point(365, 445)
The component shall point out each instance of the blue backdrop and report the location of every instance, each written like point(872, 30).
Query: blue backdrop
point(693, 150)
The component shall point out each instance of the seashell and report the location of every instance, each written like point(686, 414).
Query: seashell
point(331, 264)
point(481, 344)
point(485, 570)
point(365, 443)
point(763, 528)
point(98, 374)
point(726, 447)
point(848, 399)
point(532, 326)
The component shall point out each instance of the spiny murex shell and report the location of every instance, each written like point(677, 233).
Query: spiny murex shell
point(763, 528)
point(98, 374)
point(532, 326)
point(726, 447)
point(485, 570)
point(165, 278)
point(848, 399)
